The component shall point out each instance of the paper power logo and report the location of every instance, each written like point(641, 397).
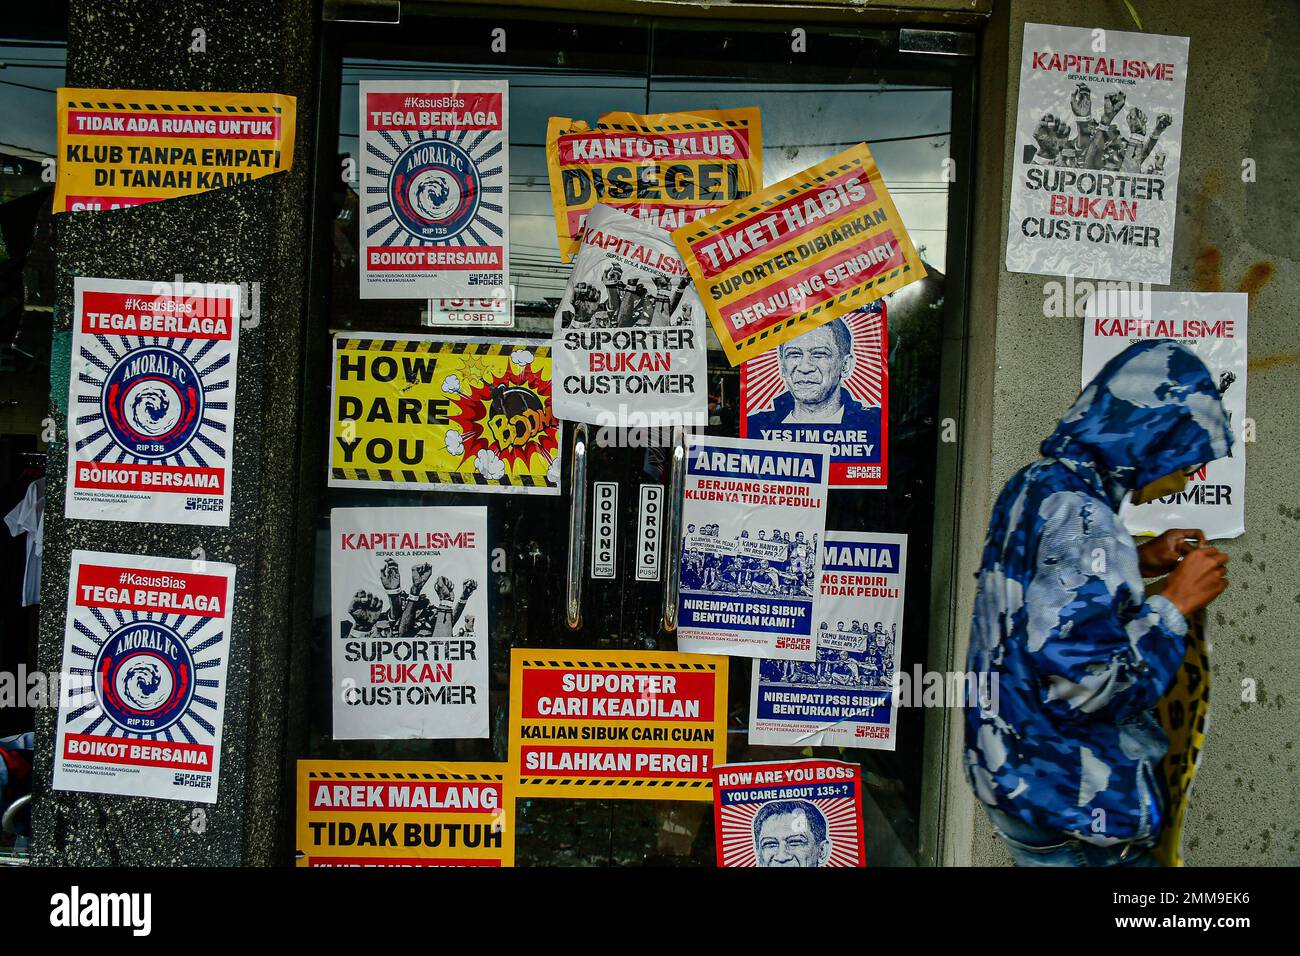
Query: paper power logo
point(434, 190)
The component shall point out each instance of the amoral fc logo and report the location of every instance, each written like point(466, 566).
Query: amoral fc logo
point(144, 677)
point(153, 402)
point(434, 189)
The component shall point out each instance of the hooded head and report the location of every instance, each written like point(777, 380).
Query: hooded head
point(1153, 409)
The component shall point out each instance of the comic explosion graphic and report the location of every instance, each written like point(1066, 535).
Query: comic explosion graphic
point(507, 416)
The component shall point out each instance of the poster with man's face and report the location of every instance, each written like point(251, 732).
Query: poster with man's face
point(408, 628)
point(798, 813)
point(829, 386)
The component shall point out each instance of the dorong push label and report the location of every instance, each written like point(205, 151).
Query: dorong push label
point(616, 725)
point(404, 813)
point(409, 629)
point(753, 518)
point(145, 648)
point(151, 401)
point(434, 196)
point(1094, 188)
point(821, 243)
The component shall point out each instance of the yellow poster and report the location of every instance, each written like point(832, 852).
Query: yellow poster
point(447, 413)
point(404, 813)
point(119, 148)
point(647, 725)
point(667, 169)
point(1183, 713)
point(813, 247)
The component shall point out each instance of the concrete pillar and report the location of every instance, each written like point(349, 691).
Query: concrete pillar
point(255, 233)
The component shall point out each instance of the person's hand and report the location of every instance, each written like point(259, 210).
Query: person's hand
point(467, 588)
point(366, 609)
point(1198, 580)
point(420, 575)
point(1163, 122)
point(1114, 103)
point(1161, 554)
point(443, 588)
point(389, 576)
point(1081, 101)
point(1137, 121)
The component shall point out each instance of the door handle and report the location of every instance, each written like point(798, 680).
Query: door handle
point(673, 551)
point(577, 529)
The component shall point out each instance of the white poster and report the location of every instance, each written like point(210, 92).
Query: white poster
point(845, 698)
point(753, 520)
point(145, 648)
point(1099, 131)
point(151, 401)
point(409, 627)
point(1213, 325)
point(629, 332)
point(434, 168)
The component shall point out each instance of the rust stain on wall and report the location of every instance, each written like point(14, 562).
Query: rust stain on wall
point(1257, 276)
point(1207, 274)
point(1266, 362)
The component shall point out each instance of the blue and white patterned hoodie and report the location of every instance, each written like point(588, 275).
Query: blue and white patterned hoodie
point(1069, 742)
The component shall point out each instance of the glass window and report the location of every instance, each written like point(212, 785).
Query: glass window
point(855, 87)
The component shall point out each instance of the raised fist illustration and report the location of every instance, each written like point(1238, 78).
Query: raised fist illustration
point(1226, 380)
point(1163, 122)
point(1081, 101)
point(389, 576)
point(468, 587)
point(420, 575)
point(1114, 103)
point(1137, 121)
point(443, 588)
point(366, 610)
point(1050, 134)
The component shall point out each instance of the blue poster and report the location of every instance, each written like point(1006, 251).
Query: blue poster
point(844, 698)
point(753, 518)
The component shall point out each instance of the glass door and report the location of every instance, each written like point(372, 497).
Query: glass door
point(851, 86)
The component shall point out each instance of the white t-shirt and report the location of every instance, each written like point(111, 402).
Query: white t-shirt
point(28, 517)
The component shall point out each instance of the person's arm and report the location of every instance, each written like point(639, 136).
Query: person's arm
point(1100, 649)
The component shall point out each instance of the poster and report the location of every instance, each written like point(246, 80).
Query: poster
point(1099, 129)
point(366, 813)
point(151, 401)
point(629, 334)
point(790, 813)
point(754, 515)
point(449, 413)
point(667, 169)
point(618, 725)
point(119, 148)
point(846, 697)
point(821, 243)
point(497, 312)
point(828, 386)
point(146, 642)
point(434, 161)
point(1213, 325)
point(409, 622)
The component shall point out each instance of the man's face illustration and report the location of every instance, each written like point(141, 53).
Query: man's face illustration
point(813, 366)
point(786, 839)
